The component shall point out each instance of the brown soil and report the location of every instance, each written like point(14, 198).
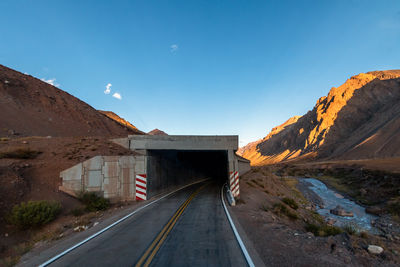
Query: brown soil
point(38, 178)
point(281, 241)
point(31, 107)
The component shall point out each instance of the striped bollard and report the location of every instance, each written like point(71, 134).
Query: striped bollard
point(141, 186)
point(234, 183)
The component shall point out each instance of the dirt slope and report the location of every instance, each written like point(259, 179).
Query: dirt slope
point(31, 107)
point(358, 120)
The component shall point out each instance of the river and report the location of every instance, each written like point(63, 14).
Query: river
point(330, 199)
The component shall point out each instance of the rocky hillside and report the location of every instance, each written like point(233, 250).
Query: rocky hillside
point(120, 120)
point(358, 120)
point(157, 132)
point(31, 107)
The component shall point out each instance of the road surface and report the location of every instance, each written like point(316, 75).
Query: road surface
point(188, 228)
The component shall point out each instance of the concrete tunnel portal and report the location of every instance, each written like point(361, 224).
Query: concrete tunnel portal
point(158, 164)
point(178, 167)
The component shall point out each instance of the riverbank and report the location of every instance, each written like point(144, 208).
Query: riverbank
point(283, 236)
point(329, 200)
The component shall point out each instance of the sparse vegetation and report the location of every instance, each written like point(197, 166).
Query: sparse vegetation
point(290, 202)
point(322, 230)
point(78, 211)
point(251, 184)
point(259, 183)
point(364, 235)
point(93, 202)
point(9, 261)
point(264, 207)
point(394, 208)
point(34, 213)
point(280, 208)
point(351, 229)
point(20, 153)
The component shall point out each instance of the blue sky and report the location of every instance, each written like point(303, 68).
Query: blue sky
point(200, 67)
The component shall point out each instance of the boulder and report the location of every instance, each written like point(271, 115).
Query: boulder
point(375, 249)
point(330, 221)
point(340, 211)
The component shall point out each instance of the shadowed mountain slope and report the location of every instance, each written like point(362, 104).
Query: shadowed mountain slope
point(29, 106)
point(360, 119)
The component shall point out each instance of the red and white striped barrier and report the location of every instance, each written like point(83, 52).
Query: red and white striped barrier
point(234, 183)
point(141, 186)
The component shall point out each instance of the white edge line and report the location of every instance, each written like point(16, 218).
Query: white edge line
point(241, 244)
point(113, 224)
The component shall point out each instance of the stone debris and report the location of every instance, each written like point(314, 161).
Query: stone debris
point(330, 221)
point(340, 211)
point(81, 228)
point(375, 249)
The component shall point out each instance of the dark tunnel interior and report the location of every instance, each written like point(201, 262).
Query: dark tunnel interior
point(171, 168)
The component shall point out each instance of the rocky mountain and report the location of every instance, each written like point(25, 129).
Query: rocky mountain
point(157, 132)
point(31, 107)
point(358, 120)
point(119, 120)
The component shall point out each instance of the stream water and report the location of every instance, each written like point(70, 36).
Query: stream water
point(331, 199)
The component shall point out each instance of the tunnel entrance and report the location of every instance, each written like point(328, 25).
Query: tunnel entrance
point(158, 164)
point(171, 168)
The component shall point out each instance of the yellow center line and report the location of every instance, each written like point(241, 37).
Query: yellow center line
point(165, 231)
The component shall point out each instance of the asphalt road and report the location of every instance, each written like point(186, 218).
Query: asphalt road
point(188, 228)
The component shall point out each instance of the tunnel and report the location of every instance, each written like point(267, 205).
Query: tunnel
point(158, 164)
point(172, 168)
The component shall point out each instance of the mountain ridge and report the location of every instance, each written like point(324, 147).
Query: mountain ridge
point(354, 120)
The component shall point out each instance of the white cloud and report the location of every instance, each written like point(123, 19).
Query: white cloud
point(117, 96)
point(108, 88)
point(174, 48)
point(51, 81)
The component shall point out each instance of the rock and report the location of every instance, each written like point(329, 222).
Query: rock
point(375, 249)
point(25, 142)
point(339, 195)
point(340, 211)
point(374, 210)
point(81, 228)
point(363, 191)
point(6, 234)
point(330, 221)
point(96, 223)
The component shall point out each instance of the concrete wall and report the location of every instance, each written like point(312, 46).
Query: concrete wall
point(243, 164)
point(112, 176)
point(181, 142)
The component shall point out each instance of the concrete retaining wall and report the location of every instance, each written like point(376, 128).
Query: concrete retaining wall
point(112, 176)
point(243, 164)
